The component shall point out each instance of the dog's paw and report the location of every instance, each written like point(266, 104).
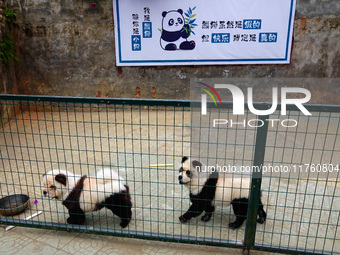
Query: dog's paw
point(261, 220)
point(182, 219)
point(234, 225)
point(124, 223)
point(79, 221)
point(206, 217)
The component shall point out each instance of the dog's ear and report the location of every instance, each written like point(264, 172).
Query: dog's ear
point(62, 178)
point(184, 159)
point(197, 165)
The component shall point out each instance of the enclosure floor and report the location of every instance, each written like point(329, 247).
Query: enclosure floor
point(37, 143)
point(48, 242)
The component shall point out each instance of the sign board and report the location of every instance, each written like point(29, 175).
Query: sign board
point(203, 32)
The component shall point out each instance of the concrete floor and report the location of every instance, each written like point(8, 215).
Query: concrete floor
point(302, 212)
point(49, 242)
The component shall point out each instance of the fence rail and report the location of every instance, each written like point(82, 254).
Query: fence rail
point(82, 135)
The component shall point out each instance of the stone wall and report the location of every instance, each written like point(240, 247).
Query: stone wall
point(67, 48)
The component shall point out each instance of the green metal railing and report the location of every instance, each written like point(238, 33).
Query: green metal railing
point(40, 133)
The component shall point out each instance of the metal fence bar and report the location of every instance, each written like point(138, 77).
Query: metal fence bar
point(255, 190)
point(160, 102)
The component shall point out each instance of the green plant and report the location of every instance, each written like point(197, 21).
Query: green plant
point(7, 49)
point(10, 15)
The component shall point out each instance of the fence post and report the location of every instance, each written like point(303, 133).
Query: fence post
point(255, 190)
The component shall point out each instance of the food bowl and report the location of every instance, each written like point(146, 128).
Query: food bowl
point(14, 204)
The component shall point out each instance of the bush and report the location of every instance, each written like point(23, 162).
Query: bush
point(7, 49)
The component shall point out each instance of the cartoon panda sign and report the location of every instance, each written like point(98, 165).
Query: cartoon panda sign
point(175, 32)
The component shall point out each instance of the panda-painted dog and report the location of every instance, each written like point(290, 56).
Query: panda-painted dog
point(81, 194)
point(209, 188)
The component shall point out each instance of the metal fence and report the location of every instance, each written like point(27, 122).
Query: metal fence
point(139, 139)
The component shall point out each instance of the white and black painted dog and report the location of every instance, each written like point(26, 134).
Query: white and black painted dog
point(81, 194)
point(209, 188)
